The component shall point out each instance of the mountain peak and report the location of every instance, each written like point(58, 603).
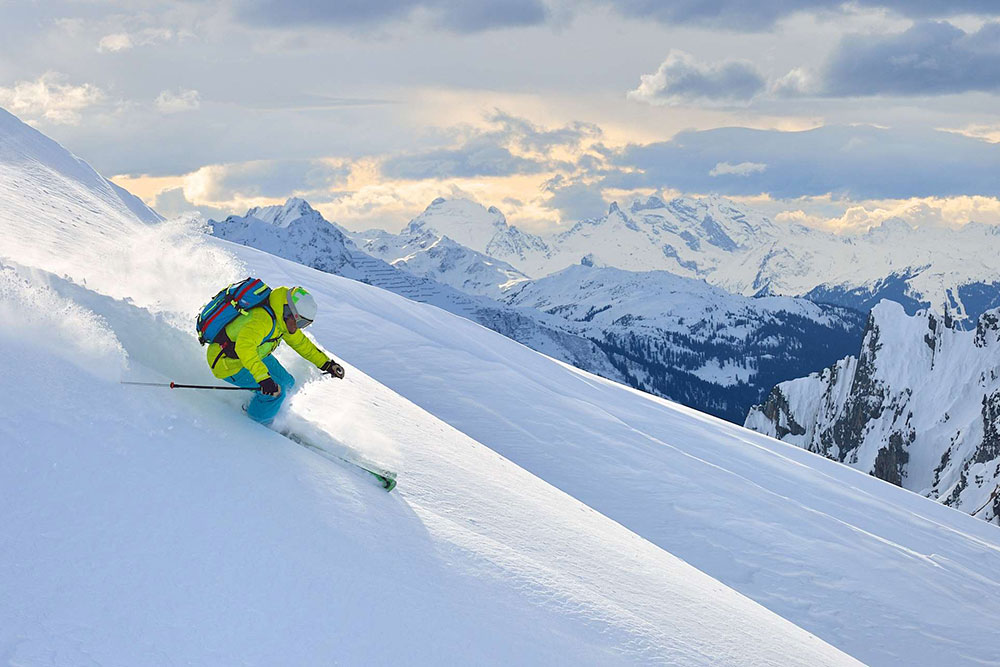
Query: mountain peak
point(652, 202)
point(890, 226)
point(462, 220)
point(283, 215)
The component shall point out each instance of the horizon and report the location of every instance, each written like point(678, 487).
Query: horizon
point(835, 115)
point(626, 204)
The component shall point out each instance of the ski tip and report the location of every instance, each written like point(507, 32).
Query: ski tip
point(388, 482)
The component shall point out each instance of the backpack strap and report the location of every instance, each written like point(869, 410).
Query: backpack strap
point(274, 323)
point(228, 347)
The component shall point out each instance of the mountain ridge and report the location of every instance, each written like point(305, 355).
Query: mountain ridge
point(690, 341)
point(918, 406)
point(733, 247)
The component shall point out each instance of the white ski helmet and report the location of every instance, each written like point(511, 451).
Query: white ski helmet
point(302, 305)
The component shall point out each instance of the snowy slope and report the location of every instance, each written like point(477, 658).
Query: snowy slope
point(183, 533)
point(687, 340)
point(888, 576)
point(733, 247)
point(918, 406)
point(144, 526)
point(23, 151)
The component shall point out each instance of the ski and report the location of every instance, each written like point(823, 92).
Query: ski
point(386, 478)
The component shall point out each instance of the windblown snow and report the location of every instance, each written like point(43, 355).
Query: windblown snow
point(543, 515)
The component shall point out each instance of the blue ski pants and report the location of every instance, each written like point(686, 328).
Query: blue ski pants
point(263, 408)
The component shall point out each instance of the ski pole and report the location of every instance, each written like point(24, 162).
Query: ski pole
point(174, 385)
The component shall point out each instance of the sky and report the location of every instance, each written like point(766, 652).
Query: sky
point(838, 115)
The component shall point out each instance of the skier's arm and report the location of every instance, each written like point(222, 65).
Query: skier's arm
point(300, 342)
point(248, 341)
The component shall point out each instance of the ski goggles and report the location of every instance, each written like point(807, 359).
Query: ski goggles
point(300, 322)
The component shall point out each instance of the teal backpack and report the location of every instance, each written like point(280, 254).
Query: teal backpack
point(226, 306)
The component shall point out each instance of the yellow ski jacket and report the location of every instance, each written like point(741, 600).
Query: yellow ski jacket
point(256, 335)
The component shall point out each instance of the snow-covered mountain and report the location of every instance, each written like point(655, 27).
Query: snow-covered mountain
point(481, 247)
point(298, 232)
point(731, 246)
point(692, 342)
point(317, 243)
point(919, 406)
point(428, 253)
point(544, 515)
point(482, 229)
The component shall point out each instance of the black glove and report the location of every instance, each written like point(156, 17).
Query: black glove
point(334, 369)
point(269, 387)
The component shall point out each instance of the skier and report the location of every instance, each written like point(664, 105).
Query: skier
point(245, 359)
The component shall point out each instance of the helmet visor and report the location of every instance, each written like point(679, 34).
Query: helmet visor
point(290, 317)
point(302, 306)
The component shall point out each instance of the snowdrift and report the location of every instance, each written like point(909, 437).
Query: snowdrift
point(144, 526)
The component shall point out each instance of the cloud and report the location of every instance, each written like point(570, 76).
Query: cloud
point(172, 203)
point(990, 133)
point(175, 102)
point(463, 16)
point(273, 179)
point(931, 58)
point(574, 200)
point(532, 137)
point(511, 146)
point(741, 169)
point(917, 212)
point(480, 157)
point(754, 16)
point(49, 97)
point(456, 15)
point(681, 79)
point(123, 41)
point(799, 81)
point(119, 41)
point(855, 162)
